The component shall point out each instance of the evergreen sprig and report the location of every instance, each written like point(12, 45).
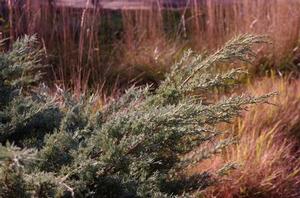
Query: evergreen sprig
point(135, 146)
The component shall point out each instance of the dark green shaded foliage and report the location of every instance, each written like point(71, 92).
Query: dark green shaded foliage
point(135, 146)
point(25, 116)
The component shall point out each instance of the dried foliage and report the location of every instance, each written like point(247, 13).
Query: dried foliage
point(266, 157)
point(89, 47)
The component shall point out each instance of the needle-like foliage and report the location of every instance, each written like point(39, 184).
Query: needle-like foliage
point(136, 146)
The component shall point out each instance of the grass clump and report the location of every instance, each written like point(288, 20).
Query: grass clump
point(267, 151)
point(136, 146)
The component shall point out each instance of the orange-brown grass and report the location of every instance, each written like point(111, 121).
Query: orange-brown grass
point(89, 47)
point(267, 152)
point(214, 22)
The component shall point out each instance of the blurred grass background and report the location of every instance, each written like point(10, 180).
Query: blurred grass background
point(93, 47)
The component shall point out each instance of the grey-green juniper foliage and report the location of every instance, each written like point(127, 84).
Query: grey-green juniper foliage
point(24, 114)
point(134, 147)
